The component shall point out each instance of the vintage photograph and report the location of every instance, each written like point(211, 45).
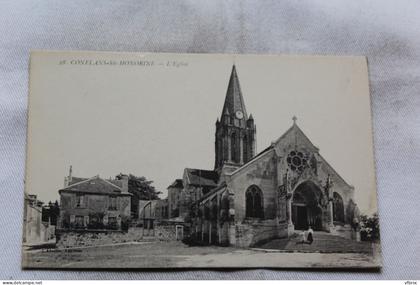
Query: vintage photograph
point(142, 160)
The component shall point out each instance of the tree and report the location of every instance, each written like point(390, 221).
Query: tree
point(51, 212)
point(142, 189)
point(369, 230)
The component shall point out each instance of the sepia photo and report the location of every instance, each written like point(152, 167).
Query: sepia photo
point(142, 160)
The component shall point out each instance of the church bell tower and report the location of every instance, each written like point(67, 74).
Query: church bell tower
point(235, 132)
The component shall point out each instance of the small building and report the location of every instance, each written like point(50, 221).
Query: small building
point(94, 203)
point(183, 193)
point(34, 230)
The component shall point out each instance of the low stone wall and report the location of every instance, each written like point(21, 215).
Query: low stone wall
point(80, 238)
point(165, 232)
point(69, 239)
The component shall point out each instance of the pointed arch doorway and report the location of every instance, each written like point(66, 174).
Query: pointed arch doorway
point(306, 208)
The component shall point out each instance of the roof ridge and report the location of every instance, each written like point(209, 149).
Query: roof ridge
point(295, 127)
point(89, 179)
point(110, 183)
point(283, 135)
point(80, 182)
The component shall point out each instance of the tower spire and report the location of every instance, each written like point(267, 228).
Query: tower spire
point(234, 100)
point(235, 134)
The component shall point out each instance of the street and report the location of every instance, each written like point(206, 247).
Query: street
point(177, 255)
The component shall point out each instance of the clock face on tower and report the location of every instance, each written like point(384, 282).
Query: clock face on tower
point(239, 114)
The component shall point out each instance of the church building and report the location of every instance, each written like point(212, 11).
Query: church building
point(251, 198)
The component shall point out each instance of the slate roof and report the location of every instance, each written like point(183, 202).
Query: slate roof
point(116, 182)
point(201, 177)
point(75, 180)
point(178, 183)
point(94, 185)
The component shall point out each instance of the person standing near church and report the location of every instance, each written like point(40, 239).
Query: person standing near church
point(310, 237)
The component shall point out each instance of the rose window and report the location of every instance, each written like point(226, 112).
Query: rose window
point(296, 160)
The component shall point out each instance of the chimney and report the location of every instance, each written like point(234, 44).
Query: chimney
point(67, 179)
point(70, 173)
point(124, 183)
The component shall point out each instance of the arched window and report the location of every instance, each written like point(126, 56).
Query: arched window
point(234, 148)
point(254, 203)
point(338, 208)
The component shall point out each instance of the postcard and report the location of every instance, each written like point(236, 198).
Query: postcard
point(160, 160)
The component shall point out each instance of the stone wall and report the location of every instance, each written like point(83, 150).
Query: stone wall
point(34, 229)
point(81, 238)
point(165, 232)
point(69, 239)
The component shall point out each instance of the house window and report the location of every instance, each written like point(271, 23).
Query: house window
point(254, 203)
point(79, 222)
point(112, 203)
point(80, 201)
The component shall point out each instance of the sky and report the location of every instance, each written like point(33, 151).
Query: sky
point(153, 115)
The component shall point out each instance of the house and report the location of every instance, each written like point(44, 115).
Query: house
point(94, 203)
